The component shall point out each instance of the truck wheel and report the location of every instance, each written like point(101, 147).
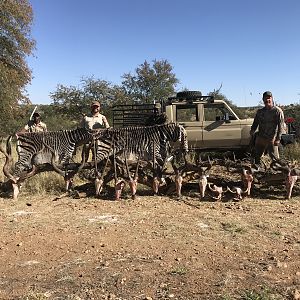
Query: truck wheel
point(189, 95)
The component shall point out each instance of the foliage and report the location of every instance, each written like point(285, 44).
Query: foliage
point(150, 83)
point(241, 112)
point(74, 102)
point(16, 44)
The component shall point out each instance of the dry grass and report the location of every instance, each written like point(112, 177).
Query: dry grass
point(292, 152)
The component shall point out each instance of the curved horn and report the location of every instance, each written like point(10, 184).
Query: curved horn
point(8, 160)
point(245, 169)
point(231, 191)
point(210, 164)
point(234, 157)
point(33, 171)
point(137, 168)
point(209, 186)
point(127, 169)
point(225, 191)
point(53, 163)
point(246, 191)
point(276, 165)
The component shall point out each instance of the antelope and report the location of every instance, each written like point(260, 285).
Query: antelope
point(218, 190)
point(238, 192)
point(291, 175)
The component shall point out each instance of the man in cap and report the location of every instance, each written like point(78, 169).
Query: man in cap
point(270, 123)
point(35, 124)
point(95, 121)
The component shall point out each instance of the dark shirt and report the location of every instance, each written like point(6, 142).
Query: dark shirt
point(269, 122)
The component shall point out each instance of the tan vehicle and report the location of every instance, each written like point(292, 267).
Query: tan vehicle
point(211, 124)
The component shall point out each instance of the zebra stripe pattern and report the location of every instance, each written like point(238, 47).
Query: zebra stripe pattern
point(32, 147)
point(141, 140)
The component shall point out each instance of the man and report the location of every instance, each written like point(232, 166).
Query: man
point(95, 121)
point(270, 122)
point(35, 125)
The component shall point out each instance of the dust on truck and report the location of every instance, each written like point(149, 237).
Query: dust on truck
point(211, 124)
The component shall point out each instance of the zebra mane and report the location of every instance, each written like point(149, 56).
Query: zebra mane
point(51, 133)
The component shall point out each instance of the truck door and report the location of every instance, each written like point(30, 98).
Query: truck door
point(188, 115)
point(221, 127)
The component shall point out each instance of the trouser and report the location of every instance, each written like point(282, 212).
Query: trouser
point(262, 146)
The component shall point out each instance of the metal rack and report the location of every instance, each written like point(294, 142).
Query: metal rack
point(134, 114)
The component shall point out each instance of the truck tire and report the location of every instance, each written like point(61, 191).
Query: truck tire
point(192, 95)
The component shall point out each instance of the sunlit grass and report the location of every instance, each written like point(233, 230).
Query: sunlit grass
point(291, 152)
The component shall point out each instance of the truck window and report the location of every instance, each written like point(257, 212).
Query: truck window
point(187, 113)
point(215, 112)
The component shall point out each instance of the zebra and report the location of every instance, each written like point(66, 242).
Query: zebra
point(36, 148)
point(151, 143)
point(142, 141)
point(32, 147)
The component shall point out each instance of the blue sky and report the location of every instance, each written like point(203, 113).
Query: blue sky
point(248, 46)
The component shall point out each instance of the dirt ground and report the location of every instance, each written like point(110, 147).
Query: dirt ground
point(149, 248)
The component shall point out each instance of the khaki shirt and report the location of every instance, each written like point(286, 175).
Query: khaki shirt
point(94, 122)
point(33, 127)
point(270, 123)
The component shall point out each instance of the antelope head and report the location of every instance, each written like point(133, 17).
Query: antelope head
point(133, 180)
point(247, 178)
point(203, 172)
point(238, 192)
point(217, 190)
point(119, 186)
point(178, 178)
point(291, 175)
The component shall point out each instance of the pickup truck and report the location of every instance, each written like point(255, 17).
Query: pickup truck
point(211, 124)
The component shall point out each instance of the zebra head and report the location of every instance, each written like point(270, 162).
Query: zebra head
point(177, 133)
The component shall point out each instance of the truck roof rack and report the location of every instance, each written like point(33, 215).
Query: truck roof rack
point(134, 114)
point(176, 99)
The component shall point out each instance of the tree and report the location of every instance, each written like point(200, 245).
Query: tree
point(16, 44)
point(216, 93)
point(150, 83)
point(73, 102)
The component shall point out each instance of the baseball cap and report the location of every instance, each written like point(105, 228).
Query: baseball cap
point(267, 94)
point(36, 114)
point(95, 103)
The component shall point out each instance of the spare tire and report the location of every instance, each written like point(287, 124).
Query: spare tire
point(189, 95)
